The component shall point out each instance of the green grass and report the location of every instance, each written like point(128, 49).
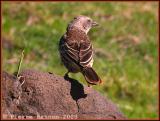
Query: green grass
point(125, 45)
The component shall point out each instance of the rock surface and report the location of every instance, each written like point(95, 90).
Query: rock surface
point(48, 96)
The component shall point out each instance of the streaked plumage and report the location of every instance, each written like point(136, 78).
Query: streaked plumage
point(76, 50)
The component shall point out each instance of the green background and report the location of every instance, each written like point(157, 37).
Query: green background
point(125, 44)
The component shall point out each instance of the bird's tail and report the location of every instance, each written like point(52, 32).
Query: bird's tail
point(91, 76)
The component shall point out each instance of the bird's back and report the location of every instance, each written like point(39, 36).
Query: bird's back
point(75, 34)
point(77, 45)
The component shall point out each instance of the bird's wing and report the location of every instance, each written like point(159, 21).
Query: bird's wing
point(86, 54)
point(79, 51)
point(70, 48)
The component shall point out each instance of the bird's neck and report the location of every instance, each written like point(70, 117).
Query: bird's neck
point(77, 34)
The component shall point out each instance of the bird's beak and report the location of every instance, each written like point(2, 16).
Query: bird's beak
point(94, 24)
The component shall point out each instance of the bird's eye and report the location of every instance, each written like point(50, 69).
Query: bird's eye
point(88, 20)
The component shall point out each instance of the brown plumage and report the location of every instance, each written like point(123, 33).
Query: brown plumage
point(76, 50)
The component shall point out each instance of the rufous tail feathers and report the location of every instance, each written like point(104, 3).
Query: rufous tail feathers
point(91, 76)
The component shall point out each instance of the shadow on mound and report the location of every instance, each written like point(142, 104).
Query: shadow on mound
point(77, 89)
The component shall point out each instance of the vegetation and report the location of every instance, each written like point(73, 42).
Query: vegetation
point(125, 44)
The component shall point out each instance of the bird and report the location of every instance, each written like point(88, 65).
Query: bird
point(76, 50)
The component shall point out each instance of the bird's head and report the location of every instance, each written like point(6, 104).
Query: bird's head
point(83, 23)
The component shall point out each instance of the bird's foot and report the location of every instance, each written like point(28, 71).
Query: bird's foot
point(88, 84)
point(66, 75)
point(50, 72)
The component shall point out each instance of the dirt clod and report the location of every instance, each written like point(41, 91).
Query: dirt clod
point(46, 95)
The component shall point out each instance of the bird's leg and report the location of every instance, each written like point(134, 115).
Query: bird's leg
point(88, 84)
point(66, 74)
